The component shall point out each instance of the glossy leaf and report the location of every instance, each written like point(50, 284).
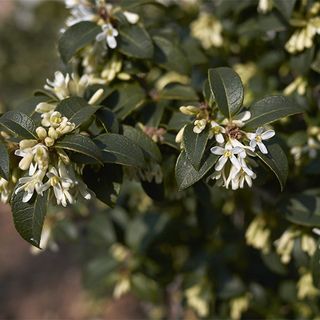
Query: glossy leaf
point(226, 87)
point(135, 42)
point(144, 141)
point(76, 37)
point(4, 161)
point(277, 162)
point(19, 123)
point(80, 144)
point(29, 217)
point(119, 149)
point(285, 7)
point(77, 110)
point(187, 175)
point(195, 144)
point(270, 109)
point(315, 266)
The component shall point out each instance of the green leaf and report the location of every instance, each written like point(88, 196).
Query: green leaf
point(19, 124)
point(77, 37)
point(4, 161)
point(135, 42)
point(125, 99)
point(315, 266)
point(277, 162)
point(285, 7)
point(175, 91)
point(195, 144)
point(104, 182)
point(120, 149)
point(226, 87)
point(187, 175)
point(144, 141)
point(29, 217)
point(270, 109)
point(108, 120)
point(303, 210)
point(170, 56)
point(80, 144)
point(77, 110)
point(145, 288)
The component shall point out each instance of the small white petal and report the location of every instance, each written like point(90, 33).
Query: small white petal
point(217, 150)
point(267, 134)
point(235, 162)
point(262, 148)
point(220, 164)
point(112, 42)
point(219, 138)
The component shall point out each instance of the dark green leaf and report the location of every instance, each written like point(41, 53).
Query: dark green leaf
point(270, 109)
point(108, 120)
point(120, 149)
point(285, 7)
point(186, 175)
point(80, 144)
point(4, 161)
point(125, 99)
point(175, 91)
point(135, 42)
point(19, 124)
point(144, 141)
point(303, 209)
point(226, 87)
point(77, 110)
point(76, 37)
point(145, 288)
point(104, 182)
point(277, 162)
point(29, 217)
point(170, 56)
point(195, 144)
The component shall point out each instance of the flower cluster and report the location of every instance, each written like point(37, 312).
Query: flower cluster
point(208, 30)
point(307, 29)
point(234, 146)
point(101, 13)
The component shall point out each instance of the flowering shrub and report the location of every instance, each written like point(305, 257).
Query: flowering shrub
point(164, 111)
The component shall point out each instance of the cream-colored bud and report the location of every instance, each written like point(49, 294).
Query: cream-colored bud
point(179, 135)
point(43, 107)
point(27, 143)
point(314, 130)
point(63, 156)
point(41, 133)
point(55, 119)
point(49, 141)
point(52, 133)
point(124, 76)
point(96, 98)
point(189, 110)
point(25, 162)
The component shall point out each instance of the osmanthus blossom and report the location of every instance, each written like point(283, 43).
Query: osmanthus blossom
point(257, 138)
point(108, 34)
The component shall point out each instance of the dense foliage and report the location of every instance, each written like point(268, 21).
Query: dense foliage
point(171, 132)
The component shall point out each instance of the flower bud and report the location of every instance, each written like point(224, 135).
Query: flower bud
point(44, 107)
point(63, 156)
point(49, 141)
point(41, 132)
point(52, 133)
point(27, 143)
point(189, 110)
point(96, 98)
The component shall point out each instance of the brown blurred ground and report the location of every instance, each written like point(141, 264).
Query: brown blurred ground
point(48, 286)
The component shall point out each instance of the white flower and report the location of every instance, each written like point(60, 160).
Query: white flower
point(59, 86)
point(259, 136)
point(239, 119)
point(217, 131)
point(199, 125)
point(81, 10)
point(31, 184)
point(265, 6)
point(60, 181)
point(238, 177)
point(228, 152)
point(131, 17)
point(108, 34)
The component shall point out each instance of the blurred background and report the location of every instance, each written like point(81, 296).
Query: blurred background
point(46, 285)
